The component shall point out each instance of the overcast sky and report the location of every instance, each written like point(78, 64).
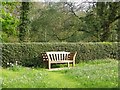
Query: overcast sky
point(76, 0)
point(79, 1)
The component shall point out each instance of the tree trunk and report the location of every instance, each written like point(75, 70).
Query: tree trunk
point(106, 32)
point(24, 26)
point(118, 39)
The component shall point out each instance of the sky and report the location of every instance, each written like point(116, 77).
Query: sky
point(76, 0)
point(62, 0)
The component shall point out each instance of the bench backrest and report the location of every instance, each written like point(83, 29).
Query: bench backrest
point(55, 56)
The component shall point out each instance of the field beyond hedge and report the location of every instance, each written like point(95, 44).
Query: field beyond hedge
point(91, 74)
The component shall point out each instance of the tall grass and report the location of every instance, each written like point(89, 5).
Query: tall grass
point(92, 74)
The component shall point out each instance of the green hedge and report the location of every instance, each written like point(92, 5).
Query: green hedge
point(29, 54)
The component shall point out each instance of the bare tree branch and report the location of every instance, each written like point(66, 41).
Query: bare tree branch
point(61, 39)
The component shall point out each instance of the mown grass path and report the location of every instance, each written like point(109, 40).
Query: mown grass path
point(59, 80)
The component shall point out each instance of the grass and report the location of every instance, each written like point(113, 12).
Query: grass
point(91, 74)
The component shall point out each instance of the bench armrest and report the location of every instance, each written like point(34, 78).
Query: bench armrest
point(72, 55)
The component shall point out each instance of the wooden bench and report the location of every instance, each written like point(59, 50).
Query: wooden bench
point(59, 57)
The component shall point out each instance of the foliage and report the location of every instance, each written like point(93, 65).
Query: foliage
point(24, 22)
point(93, 74)
point(9, 20)
point(98, 20)
point(72, 25)
point(53, 24)
point(29, 54)
point(101, 21)
point(51, 21)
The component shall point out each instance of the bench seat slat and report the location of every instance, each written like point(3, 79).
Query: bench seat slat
point(59, 61)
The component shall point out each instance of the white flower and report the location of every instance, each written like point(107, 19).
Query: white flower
point(7, 63)
point(16, 63)
point(12, 64)
point(88, 77)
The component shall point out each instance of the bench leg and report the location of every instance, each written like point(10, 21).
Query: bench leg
point(49, 65)
point(73, 64)
point(68, 64)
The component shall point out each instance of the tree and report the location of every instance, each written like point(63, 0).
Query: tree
point(9, 20)
point(108, 13)
point(53, 24)
point(98, 19)
point(24, 25)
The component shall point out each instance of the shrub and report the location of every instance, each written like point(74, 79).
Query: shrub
point(29, 54)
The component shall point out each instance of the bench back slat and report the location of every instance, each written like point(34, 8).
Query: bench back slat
point(55, 56)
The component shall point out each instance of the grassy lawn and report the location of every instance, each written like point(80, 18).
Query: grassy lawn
point(91, 74)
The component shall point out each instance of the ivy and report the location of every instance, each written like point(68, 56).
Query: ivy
point(24, 25)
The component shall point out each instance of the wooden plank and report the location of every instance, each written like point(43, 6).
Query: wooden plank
point(49, 65)
point(52, 56)
point(59, 61)
point(57, 57)
point(68, 64)
point(60, 57)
